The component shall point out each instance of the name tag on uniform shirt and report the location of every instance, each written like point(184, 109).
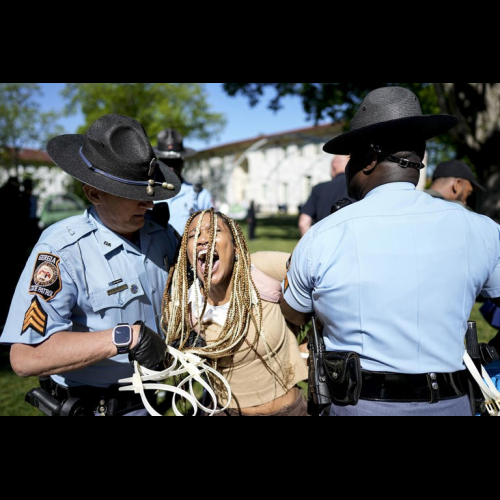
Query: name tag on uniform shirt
point(119, 289)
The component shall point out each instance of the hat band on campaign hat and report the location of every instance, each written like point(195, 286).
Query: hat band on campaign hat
point(149, 185)
point(402, 162)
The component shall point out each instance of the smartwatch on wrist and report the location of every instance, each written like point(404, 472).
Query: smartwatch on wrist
point(122, 338)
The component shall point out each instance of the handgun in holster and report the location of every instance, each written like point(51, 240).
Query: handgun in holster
point(474, 350)
point(319, 398)
point(43, 399)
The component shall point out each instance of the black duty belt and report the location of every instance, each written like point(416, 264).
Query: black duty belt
point(426, 388)
point(107, 401)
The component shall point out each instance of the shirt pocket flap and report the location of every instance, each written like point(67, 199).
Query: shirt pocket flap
point(116, 296)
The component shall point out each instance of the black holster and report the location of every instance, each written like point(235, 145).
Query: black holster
point(334, 377)
point(319, 399)
point(344, 378)
point(43, 399)
point(54, 400)
point(475, 395)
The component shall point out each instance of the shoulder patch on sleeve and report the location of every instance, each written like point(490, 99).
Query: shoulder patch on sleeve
point(46, 280)
point(35, 318)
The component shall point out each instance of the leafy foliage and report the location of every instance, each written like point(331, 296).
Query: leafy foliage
point(337, 101)
point(156, 106)
point(22, 122)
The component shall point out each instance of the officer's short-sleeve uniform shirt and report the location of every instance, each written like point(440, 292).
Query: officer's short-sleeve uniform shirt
point(82, 277)
point(185, 204)
point(394, 278)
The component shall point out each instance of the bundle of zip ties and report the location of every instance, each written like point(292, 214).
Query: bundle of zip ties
point(190, 368)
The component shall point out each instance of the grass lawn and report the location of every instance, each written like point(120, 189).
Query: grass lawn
point(278, 234)
point(13, 390)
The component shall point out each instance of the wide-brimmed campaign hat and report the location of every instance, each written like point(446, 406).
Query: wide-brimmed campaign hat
point(457, 169)
point(115, 156)
point(171, 146)
point(389, 111)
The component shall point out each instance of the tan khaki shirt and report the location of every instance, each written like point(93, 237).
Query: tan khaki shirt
point(250, 380)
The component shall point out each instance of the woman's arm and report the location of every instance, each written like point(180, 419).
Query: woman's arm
point(293, 316)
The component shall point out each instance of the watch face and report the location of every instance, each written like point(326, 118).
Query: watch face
point(123, 335)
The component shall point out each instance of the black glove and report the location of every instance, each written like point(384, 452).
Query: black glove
point(150, 350)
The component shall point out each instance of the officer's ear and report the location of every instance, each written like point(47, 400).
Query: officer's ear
point(360, 160)
point(371, 162)
point(93, 194)
point(457, 186)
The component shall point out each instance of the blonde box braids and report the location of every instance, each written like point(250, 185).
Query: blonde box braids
point(245, 306)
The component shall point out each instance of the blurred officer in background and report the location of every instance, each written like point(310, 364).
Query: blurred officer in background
point(323, 196)
point(191, 199)
point(454, 181)
point(13, 261)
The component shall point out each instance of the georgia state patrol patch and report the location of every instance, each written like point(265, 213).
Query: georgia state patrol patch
point(46, 281)
point(35, 318)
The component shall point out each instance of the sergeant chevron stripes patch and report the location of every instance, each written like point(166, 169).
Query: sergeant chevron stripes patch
point(35, 318)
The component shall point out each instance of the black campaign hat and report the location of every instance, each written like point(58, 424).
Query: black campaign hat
point(458, 169)
point(115, 156)
point(389, 111)
point(171, 146)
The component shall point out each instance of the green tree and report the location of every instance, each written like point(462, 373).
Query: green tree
point(22, 123)
point(156, 106)
point(337, 101)
point(477, 105)
point(478, 134)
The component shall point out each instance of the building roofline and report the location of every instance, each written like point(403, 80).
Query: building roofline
point(29, 157)
point(333, 128)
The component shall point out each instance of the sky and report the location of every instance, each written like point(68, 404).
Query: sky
point(243, 122)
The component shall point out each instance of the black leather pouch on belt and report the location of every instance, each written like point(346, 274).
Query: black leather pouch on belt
point(344, 377)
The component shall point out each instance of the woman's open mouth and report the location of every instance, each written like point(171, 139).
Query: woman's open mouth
point(202, 261)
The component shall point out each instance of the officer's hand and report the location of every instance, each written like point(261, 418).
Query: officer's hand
point(150, 349)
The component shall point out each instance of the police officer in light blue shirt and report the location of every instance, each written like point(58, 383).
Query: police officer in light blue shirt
point(192, 198)
point(89, 300)
point(394, 277)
